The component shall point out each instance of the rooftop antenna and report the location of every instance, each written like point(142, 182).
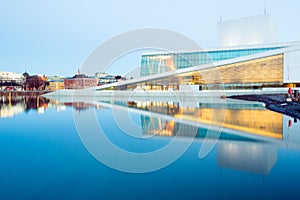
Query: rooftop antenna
point(221, 16)
point(265, 10)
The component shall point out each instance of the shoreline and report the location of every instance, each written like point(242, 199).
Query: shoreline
point(23, 93)
point(274, 102)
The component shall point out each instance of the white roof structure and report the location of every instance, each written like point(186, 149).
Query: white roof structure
point(291, 70)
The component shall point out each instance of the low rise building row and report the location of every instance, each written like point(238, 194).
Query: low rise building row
point(10, 81)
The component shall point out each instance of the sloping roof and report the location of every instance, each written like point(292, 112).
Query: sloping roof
point(161, 76)
point(80, 76)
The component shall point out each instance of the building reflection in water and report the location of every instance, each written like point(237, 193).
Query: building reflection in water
point(13, 105)
point(234, 151)
point(255, 157)
point(249, 118)
point(237, 152)
point(80, 106)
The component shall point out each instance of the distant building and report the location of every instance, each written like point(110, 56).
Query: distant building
point(100, 74)
point(80, 81)
point(55, 83)
point(11, 79)
point(104, 78)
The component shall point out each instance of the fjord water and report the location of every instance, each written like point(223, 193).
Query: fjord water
point(42, 156)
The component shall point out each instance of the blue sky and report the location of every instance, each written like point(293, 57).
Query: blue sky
point(55, 37)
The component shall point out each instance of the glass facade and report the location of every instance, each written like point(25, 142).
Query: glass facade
point(252, 120)
point(250, 74)
point(159, 63)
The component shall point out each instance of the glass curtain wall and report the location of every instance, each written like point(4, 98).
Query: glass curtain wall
point(160, 63)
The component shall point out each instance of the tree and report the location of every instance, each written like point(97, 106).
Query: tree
point(118, 77)
point(35, 82)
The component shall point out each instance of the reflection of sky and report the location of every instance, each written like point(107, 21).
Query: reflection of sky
point(43, 158)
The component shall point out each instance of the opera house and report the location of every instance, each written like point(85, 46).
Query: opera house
point(248, 56)
point(242, 67)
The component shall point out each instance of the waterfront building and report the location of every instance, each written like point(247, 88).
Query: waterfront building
point(80, 81)
point(11, 79)
point(55, 83)
point(242, 67)
point(104, 78)
point(247, 57)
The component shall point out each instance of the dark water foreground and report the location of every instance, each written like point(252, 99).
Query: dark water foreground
point(274, 102)
point(43, 156)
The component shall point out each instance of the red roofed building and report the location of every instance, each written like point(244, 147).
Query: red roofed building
point(80, 81)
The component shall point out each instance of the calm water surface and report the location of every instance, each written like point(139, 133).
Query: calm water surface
point(42, 155)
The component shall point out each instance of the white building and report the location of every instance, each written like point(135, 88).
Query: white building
point(247, 31)
point(11, 79)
